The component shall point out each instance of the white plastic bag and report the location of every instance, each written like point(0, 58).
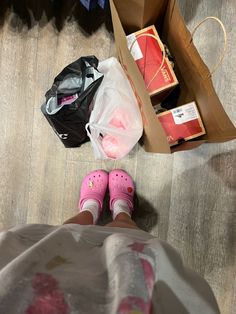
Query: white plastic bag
point(115, 124)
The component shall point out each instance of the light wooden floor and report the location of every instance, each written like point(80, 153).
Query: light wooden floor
point(188, 199)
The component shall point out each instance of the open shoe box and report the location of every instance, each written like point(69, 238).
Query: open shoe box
point(193, 75)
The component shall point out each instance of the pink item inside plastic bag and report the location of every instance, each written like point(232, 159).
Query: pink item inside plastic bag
point(111, 145)
point(115, 123)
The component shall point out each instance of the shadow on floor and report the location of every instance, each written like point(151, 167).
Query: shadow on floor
point(145, 215)
point(224, 165)
point(203, 225)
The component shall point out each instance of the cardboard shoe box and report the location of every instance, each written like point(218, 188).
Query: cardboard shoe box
point(182, 123)
point(194, 76)
point(148, 55)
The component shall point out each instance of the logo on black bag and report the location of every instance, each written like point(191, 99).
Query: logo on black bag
point(63, 136)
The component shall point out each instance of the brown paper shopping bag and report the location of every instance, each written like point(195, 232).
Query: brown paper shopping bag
point(193, 75)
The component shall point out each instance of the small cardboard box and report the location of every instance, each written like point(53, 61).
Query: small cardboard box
point(182, 123)
point(193, 75)
point(148, 55)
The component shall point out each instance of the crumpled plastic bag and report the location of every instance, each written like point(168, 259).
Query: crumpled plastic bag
point(68, 102)
point(115, 124)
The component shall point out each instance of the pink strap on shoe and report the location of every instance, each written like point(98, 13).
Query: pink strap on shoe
point(94, 187)
point(121, 186)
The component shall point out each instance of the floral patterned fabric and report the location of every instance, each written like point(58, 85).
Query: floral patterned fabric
point(92, 269)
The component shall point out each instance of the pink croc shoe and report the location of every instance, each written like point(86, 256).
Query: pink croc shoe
point(121, 186)
point(94, 187)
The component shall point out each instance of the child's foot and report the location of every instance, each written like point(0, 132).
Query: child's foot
point(121, 188)
point(92, 193)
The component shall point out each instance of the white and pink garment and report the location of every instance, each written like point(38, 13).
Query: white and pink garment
point(92, 269)
point(115, 124)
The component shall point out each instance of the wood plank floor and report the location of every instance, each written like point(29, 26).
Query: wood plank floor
point(188, 199)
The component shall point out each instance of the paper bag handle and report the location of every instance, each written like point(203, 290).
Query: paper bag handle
point(162, 49)
point(225, 40)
